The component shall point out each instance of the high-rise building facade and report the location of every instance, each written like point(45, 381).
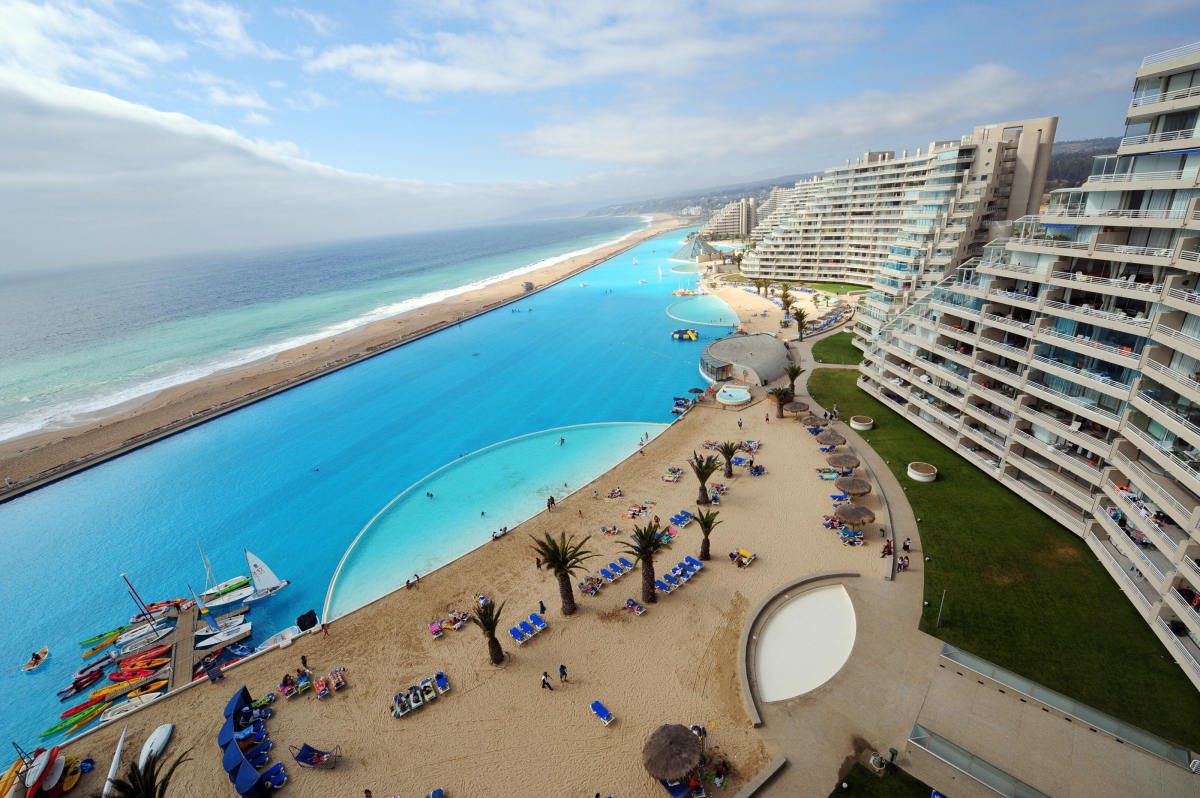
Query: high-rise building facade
point(1065, 362)
point(735, 220)
point(781, 205)
point(899, 223)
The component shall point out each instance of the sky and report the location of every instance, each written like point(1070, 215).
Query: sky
point(133, 129)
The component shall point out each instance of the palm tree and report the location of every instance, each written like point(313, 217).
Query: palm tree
point(703, 468)
point(707, 519)
point(487, 618)
point(782, 395)
point(647, 542)
point(787, 300)
point(761, 285)
point(801, 318)
point(147, 782)
point(729, 450)
point(793, 373)
point(563, 558)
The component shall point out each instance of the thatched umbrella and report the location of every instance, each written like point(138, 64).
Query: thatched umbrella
point(814, 421)
point(672, 752)
point(830, 438)
point(854, 515)
point(796, 406)
point(854, 486)
point(843, 460)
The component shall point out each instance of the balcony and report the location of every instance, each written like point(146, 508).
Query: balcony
point(1159, 487)
point(1017, 353)
point(1150, 292)
point(996, 397)
point(1122, 355)
point(1162, 452)
point(1012, 324)
point(994, 444)
point(1182, 649)
point(1168, 415)
point(982, 459)
point(1170, 55)
point(1030, 301)
point(1164, 97)
point(1118, 566)
point(1085, 379)
point(1061, 456)
point(1186, 612)
point(959, 310)
point(1079, 404)
point(1093, 316)
point(1186, 386)
point(1141, 516)
point(1007, 269)
point(1169, 176)
point(1051, 505)
point(1044, 473)
point(1081, 211)
point(1134, 551)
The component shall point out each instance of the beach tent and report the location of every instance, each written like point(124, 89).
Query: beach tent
point(247, 782)
point(232, 759)
point(225, 736)
point(240, 699)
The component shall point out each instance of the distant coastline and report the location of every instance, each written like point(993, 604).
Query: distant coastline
point(38, 459)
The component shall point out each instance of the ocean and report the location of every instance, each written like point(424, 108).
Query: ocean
point(326, 473)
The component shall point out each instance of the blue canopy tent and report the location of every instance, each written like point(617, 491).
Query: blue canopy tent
point(232, 759)
point(225, 736)
point(240, 699)
point(247, 782)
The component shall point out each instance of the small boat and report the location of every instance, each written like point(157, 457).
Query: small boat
point(641, 282)
point(229, 585)
point(119, 687)
point(152, 664)
point(37, 770)
point(281, 639)
point(70, 720)
point(144, 630)
point(262, 578)
point(72, 774)
point(685, 335)
point(128, 705)
point(232, 597)
point(97, 638)
point(224, 636)
point(232, 620)
point(635, 261)
point(10, 775)
point(96, 665)
point(153, 614)
point(116, 764)
point(149, 654)
point(91, 702)
point(148, 688)
point(145, 645)
point(88, 716)
point(156, 743)
point(80, 685)
point(127, 675)
point(37, 660)
point(54, 772)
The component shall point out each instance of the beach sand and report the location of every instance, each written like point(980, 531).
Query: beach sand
point(27, 457)
point(497, 731)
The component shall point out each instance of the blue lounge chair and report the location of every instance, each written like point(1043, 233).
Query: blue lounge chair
point(628, 565)
point(436, 793)
point(688, 568)
point(671, 580)
point(839, 497)
point(739, 461)
point(259, 756)
point(275, 777)
point(517, 635)
point(443, 684)
point(602, 713)
point(537, 621)
point(526, 629)
point(307, 756)
point(608, 577)
point(663, 586)
point(692, 561)
point(827, 449)
point(616, 569)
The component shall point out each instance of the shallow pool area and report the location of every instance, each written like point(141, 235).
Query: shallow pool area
point(804, 643)
point(705, 309)
point(733, 395)
point(689, 268)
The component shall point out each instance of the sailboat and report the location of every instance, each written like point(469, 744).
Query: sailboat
point(213, 589)
point(262, 579)
point(635, 261)
point(660, 271)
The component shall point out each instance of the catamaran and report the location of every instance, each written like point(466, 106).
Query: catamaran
point(262, 579)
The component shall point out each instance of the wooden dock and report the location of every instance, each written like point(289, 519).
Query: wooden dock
point(183, 656)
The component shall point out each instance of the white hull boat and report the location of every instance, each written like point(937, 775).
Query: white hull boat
point(263, 580)
point(128, 705)
point(206, 630)
point(221, 637)
point(281, 639)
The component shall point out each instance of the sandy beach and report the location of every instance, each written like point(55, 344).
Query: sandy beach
point(497, 726)
point(23, 460)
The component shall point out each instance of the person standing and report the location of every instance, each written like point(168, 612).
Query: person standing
point(739, 423)
point(541, 607)
point(907, 544)
point(562, 674)
point(546, 681)
point(767, 417)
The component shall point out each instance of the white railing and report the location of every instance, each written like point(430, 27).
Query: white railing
point(1159, 493)
point(1076, 401)
point(1020, 325)
point(1167, 411)
point(1016, 268)
point(1184, 602)
point(1193, 569)
point(957, 310)
point(1143, 562)
point(1120, 318)
point(1087, 375)
point(1164, 97)
point(1128, 285)
point(1157, 446)
point(1137, 514)
point(1050, 450)
point(1128, 249)
point(1170, 55)
point(1150, 138)
point(975, 455)
point(1007, 349)
point(1179, 646)
point(1174, 375)
point(1132, 177)
point(1186, 296)
point(1081, 341)
point(1193, 255)
point(1067, 431)
point(1014, 296)
point(1031, 241)
point(1108, 555)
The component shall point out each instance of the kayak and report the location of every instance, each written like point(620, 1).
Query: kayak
point(204, 630)
point(71, 777)
point(80, 683)
point(125, 707)
point(150, 688)
point(225, 587)
point(50, 785)
point(105, 643)
point(89, 716)
point(158, 662)
point(37, 770)
point(144, 630)
point(126, 675)
point(91, 702)
point(37, 660)
point(97, 638)
point(153, 653)
point(66, 722)
point(10, 776)
point(112, 688)
point(95, 665)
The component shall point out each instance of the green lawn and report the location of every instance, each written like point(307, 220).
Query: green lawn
point(896, 784)
point(836, 288)
point(837, 349)
point(1021, 590)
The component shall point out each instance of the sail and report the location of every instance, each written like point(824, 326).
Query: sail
point(264, 578)
point(204, 613)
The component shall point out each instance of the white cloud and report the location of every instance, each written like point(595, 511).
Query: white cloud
point(277, 84)
point(255, 118)
point(321, 24)
point(69, 40)
point(220, 27)
point(222, 91)
point(307, 100)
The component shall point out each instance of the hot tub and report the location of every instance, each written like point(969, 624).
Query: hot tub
point(804, 643)
point(733, 396)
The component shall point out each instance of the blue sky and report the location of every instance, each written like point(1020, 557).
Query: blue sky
point(142, 128)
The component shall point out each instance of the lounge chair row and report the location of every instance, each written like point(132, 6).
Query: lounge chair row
point(417, 696)
point(527, 629)
point(682, 518)
point(679, 574)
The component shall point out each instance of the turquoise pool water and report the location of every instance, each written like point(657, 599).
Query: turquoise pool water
point(706, 309)
point(296, 477)
point(689, 268)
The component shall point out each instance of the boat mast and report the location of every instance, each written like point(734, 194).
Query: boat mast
point(209, 579)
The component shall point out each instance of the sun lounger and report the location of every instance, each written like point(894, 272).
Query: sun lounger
point(671, 580)
point(740, 461)
point(616, 569)
point(692, 561)
point(288, 690)
point(608, 577)
point(602, 713)
point(663, 586)
point(428, 691)
point(400, 706)
point(827, 449)
point(628, 565)
point(526, 629)
point(537, 621)
point(839, 497)
point(435, 629)
point(443, 684)
point(747, 557)
point(517, 635)
point(259, 756)
point(307, 756)
point(337, 678)
point(323, 690)
point(275, 777)
point(436, 794)
point(637, 609)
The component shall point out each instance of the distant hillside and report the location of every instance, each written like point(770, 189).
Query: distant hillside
point(1071, 162)
point(708, 199)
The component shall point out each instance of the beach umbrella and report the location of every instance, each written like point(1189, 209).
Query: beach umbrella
point(225, 736)
point(843, 460)
point(854, 515)
point(830, 438)
point(232, 758)
point(796, 407)
point(814, 421)
point(246, 781)
point(854, 486)
point(240, 699)
point(672, 752)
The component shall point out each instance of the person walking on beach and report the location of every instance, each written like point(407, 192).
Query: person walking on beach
point(324, 630)
point(767, 417)
point(562, 674)
point(537, 561)
point(541, 607)
point(739, 423)
point(907, 544)
point(546, 681)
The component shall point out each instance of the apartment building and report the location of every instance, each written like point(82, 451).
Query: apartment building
point(735, 220)
point(899, 224)
point(1065, 361)
point(782, 204)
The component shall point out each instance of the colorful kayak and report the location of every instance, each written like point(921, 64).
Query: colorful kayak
point(227, 586)
point(71, 777)
point(10, 776)
point(157, 662)
point(149, 688)
point(81, 682)
point(37, 660)
point(95, 665)
point(153, 653)
point(65, 723)
point(75, 710)
point(113, 688)
point(89, 716)
point(97, 638)
point(126, 675)
point(103, 644)
point(37, 770)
